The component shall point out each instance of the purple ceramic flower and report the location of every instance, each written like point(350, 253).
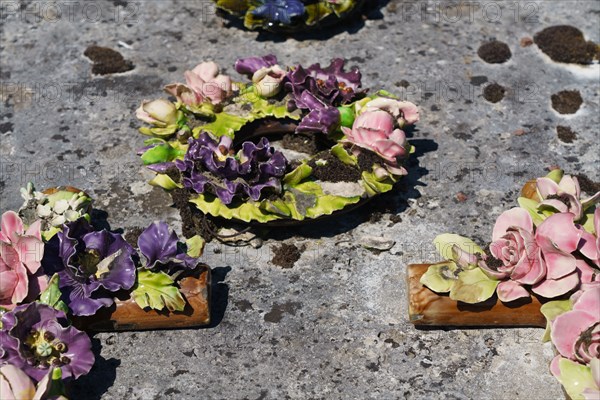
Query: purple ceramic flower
point(213, 167)
point(316, 89)
point(321, 117)
point(279, 11)
point(332, 84)
point(36, 337)
point(161, 248)
point(91, 266)
point(248, 66)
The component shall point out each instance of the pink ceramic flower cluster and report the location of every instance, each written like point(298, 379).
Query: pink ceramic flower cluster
point(21, 253)
point(203, 83)
point(553, 258)
point(378, 129)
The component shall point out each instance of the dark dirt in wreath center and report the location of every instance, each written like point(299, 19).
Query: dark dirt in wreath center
point(567, 101)
point(494, 52)
point(333, 170)
point(565, 43)
point(107, 61)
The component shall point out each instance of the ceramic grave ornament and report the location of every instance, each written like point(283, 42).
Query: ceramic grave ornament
point(542, 268)
point(289, 144)
point(288, 15)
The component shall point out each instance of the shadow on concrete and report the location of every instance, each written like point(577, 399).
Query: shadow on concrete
point(371, 10)
point(219, 295)
point(101, 377)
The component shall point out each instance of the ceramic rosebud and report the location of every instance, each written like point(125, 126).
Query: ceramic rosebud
point(564, 196)
point(267, 80)
point(160, 113)
point(17, 385)
point(206, 81)
point(374, 131)
point(405, 112)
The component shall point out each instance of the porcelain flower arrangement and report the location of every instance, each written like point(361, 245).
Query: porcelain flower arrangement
point(77, 271)
point(288, 15)
point(547, 247)
point(215, 140)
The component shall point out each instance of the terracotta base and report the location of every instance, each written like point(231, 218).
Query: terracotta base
point(427, 308)
point(126, 315)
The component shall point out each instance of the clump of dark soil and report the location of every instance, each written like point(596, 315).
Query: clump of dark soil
point(334, 170)
point(587, 185)
point(132, 234)
point(494, 52)
point(366, 160)
point(494, 92)
point(193, 221)
point(395, 219)
point(565, 43)
point(565, 134)
point(107, 61)
point(301, 143)
point(286, 255)
point(567, 101)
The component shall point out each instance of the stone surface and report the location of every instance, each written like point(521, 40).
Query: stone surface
point(335, 325)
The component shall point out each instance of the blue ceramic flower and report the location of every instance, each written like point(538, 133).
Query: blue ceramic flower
point(279, 11)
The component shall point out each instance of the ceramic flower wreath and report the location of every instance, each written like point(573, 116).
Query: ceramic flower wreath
point(212, 142)
point(288, 15)
point(549, 246)
point(72, 270)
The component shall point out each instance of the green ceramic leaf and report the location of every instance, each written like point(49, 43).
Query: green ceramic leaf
point(374, 186)
point(532, 208)
point(223, 124)
point(473, 286)
point(385, 93)
point(587, 222)
point(556, 175)
point(440, 277)
point(237, 7)
point(575, 378)
point(551, 310)
point(164, 181)
point(301, 172)
point(347, 116)
point(49, 234)
point(195, 246)
point(159, 132)
point(343, 6)
point(247, 212)
point(157, 291)
point(161, 153)
point(444, 242)
point(51, 296)
point(342, 154)
point(316, 12)
point(328, 204)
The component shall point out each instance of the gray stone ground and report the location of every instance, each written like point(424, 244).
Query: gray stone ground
point(335, 325)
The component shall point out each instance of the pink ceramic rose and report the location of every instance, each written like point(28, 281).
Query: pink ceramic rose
point(374, 131)
point(541, 259)
point(203, 83)
point(21, 253)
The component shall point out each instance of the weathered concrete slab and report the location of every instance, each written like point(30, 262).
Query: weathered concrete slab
point(335, 325)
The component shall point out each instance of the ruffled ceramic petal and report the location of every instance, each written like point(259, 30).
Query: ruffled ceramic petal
point(158, 244)
point(551, 288)
point(567, 328)
point(546, 187)
point(515, 217)
point(559, 263)
point(530, 269)
point(558, 231)
point(15, 384)
point(248, 66)
point(510, 291)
